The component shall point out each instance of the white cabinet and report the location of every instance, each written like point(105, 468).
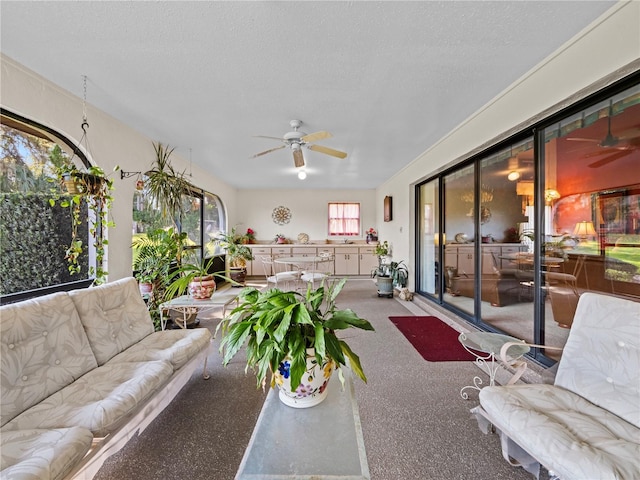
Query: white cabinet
point(347, 261)
point(303, 251)
point(368, 260)
point(254, 268)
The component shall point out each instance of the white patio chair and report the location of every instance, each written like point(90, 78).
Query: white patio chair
point(317, 273)
point(279, 279)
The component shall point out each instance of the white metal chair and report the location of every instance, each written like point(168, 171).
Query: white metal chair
point(279, 279)
point(317, 273)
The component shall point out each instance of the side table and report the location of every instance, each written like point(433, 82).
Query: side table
point(185, 304)
point(486, 346)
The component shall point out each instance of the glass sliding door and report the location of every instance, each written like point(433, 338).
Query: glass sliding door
point(507, 280)
point(458, 238)
point(591, 225)
point(430, 272)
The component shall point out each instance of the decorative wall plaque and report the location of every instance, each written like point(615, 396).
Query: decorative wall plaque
point(281, 215)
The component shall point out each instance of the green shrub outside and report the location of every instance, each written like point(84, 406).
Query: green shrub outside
point(33, 239)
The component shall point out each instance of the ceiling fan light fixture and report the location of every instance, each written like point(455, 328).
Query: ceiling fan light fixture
point(513, 176)
point(302, 174)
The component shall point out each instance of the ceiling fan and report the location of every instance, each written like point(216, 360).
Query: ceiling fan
point(609, 141)
point(296, 139)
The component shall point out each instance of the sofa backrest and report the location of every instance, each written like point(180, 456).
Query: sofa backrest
point(601, 359)
point(114, 316)
point(43, 348)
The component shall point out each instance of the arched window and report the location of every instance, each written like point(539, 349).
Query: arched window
point(35, 232)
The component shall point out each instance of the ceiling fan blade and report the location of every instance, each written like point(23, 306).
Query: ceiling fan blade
point(267, 151)
point(266, 136)
point(327, 150)
point(298, 159)
point(609, 159)
point(577, 139)
point(314, 137)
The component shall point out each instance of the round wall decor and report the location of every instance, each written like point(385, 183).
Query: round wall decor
point(281, 215)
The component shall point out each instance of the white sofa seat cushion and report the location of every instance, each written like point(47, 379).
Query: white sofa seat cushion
point(42, 454)
point(100, 401)
point(43, 348)
point(114, 317)
point(174, 346)
point(568, 434)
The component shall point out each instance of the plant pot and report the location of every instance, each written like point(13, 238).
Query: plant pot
point(313, 388)
point(71, 184)
point(145, 288)
point(239, 275)
point(385, 286)
point(201, 288)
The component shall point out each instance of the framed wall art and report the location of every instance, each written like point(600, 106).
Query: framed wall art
point(388, 209)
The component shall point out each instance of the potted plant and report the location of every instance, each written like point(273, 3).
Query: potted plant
point(165, 185)
point(280, 238)
point(154, 257)
point(94, 189)
point(250, 235)
point(372, 235)
point(195, 277)
point(238, 254)
point(291, 337)
point(399, 273)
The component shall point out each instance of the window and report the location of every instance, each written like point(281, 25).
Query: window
point(33, 240)
point(344, 219)
point(200, 208)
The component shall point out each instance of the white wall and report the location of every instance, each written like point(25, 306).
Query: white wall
point(607, 45)
point(309, 211)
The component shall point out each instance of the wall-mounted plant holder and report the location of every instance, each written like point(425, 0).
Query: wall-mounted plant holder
point(388, 209)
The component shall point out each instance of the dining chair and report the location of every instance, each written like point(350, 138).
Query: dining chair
point(279, 279)
point(317, 273)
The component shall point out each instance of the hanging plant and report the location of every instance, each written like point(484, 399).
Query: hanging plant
point(94, 188)
point(165, 185)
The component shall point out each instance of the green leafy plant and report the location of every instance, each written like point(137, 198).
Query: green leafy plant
point(94, 188)
point(187, 273)
point(382, 249)
point(237, 251)
point(165, 185)
point(275, 323)
point(397, 271)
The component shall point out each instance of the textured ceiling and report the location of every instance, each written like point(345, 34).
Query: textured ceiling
point(387, 79)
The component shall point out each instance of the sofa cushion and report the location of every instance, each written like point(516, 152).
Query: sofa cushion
point(100, 400)
point(174, 346)
point(601, 358)
point(566, 433)
point(43, 348)
point(43, 454)
point(114, 317)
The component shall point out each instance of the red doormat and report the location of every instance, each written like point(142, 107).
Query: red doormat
point(432, 338)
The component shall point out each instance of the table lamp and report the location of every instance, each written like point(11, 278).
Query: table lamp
point(584, 229)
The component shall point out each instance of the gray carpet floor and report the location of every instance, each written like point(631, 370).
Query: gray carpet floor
point(414, 422)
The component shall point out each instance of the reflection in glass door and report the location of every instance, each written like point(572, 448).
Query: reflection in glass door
point(428, 225)
point(459, 236)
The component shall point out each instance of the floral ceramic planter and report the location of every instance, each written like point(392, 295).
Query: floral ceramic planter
point(313, 387)
point(201, 288)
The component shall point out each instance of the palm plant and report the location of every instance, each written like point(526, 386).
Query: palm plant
point(165, 185)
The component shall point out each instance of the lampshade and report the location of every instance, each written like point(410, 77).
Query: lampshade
point(550, 195)
point(584, 229)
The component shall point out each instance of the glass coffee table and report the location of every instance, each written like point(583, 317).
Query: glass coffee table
point(486, 347)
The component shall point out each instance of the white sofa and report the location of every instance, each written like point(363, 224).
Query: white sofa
point(586, 426)
point(81, 373)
